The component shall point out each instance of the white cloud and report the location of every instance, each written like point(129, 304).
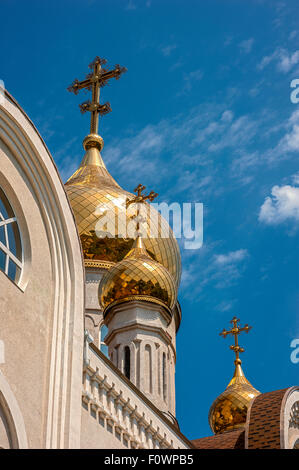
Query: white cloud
point(293, 34)
point(290, 141)
point(231, 257)
point(226, 305)
point(281, 206)
point(189, 79)
point(246, 46)
point(295, 178)
point(284, 59)
point(237, 133)
point(224, 269)
point(167, 50)
point(130, 5)
point(227, 116)
point(228, 41)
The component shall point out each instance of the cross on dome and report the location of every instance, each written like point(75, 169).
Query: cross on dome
point(235, 331)
point(95, 80)
point(140, 199)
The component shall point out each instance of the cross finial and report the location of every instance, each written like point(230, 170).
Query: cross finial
point(235, 331)
point(140, 199)
point(96, 79)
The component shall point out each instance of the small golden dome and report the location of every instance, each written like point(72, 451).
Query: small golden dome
point(229, 410)
point(137, 275)
point(92, 193)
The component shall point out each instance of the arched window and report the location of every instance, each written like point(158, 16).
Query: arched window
point(164, 375)
point(127, 361)
point(10, 241)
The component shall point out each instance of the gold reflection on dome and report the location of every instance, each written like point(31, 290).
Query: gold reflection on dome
point(93, 193)
point(229, 410)
point(139, 276)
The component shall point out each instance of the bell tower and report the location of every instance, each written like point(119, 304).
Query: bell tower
point(138, 321)
point(138, 296)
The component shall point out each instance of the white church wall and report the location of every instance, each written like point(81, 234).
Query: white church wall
point(144, 327)
point(41, 317)
point(117, 408)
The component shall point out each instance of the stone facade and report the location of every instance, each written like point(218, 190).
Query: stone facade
point(43, 314)
point(57, 389)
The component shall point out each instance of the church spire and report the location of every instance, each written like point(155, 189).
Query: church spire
point(229, 410)
point(96, 79)
point(235, 331)
point(92, 170)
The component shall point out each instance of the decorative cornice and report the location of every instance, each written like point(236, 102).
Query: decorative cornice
point(140, 298)
point(132, 326)
point(140, 394)
point(97, 263)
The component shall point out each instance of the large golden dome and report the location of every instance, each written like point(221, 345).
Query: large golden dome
point(137, 276)
point(93, 193)
point(229, 410)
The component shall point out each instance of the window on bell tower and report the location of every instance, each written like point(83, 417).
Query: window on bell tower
point(127, 365)
point(11, 256)
point(102, 345)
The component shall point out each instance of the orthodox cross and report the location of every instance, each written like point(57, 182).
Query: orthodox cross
point(139, 199)
point(96, 79)
point(235, 331)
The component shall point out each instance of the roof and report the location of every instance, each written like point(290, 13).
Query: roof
point(263, 425)
point(263, 428)
point(234, 439)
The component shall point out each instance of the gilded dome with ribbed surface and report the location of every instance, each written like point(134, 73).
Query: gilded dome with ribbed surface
point(229, 410)
point(137, 276)
point(92, 193)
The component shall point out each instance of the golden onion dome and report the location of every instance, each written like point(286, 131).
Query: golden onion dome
point(93, 193)
point(229, 410)
point(137, 276)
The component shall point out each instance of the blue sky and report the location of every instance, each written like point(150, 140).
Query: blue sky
point(202, 115)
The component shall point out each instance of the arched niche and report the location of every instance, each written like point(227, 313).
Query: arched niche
point(12, 428)
point(290, 419)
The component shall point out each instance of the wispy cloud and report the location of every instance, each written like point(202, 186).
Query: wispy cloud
point(225, 305)
point(68, 162)
point(288, 143)
point(167, 50)
point(246, 45)
point(131, 5)
point(293, 34)
point(189, 79)
point(231, 257)
point(285, 60)
point(218, 271)
point(285, 146)
point(228, 40)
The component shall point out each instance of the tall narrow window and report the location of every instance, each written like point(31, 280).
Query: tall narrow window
point(127, 366)
point(164, 375)
point(10, 241)
point(148, 387)
point(103, 346)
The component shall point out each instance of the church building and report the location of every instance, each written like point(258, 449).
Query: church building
point(88, 320)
